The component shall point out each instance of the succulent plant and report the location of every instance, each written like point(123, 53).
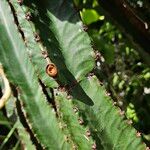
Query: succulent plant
point(48, 60)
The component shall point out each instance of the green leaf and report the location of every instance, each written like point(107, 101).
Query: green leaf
point(62, 33)
point(105, 120)
point(20, 72)
point(106, 48)
point(25, 137)
point(71, 120)
point(89, 16)
point(34, 48)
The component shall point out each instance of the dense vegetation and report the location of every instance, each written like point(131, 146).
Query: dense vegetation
point(72, 110)
point(125, 73)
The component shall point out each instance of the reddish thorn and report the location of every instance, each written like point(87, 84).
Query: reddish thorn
point(37, 37)
point(94, 146)
point(28, 16)
point(121, 112)
point(20, 2)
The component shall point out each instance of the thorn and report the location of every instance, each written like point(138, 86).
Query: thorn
point(75, 109)
point(23, 104)
point(88, 133)
point(66, 138)
point(85, 27)
point(107, 93)
point(44, 147)
point(121, 112)
point(98, 64)
point(94, 146)
point(20, 2)
point(18, 90)
point(60, 125)
point(129, 122)
point(124, 5)
point(37, 37)
point(28, 16)
point(120, 103)
point(45, 54)
point(138, 134)
point(114, 103)
point(101, 83)
point(26, 115)
point(74, 147)
point(25, 42)
point(56, 93)
point(61, 89)
point(69, 97)
point(90, 75)
point(98, 55)
point(80, 121)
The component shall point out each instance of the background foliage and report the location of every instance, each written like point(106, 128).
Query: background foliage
point(121, 68)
